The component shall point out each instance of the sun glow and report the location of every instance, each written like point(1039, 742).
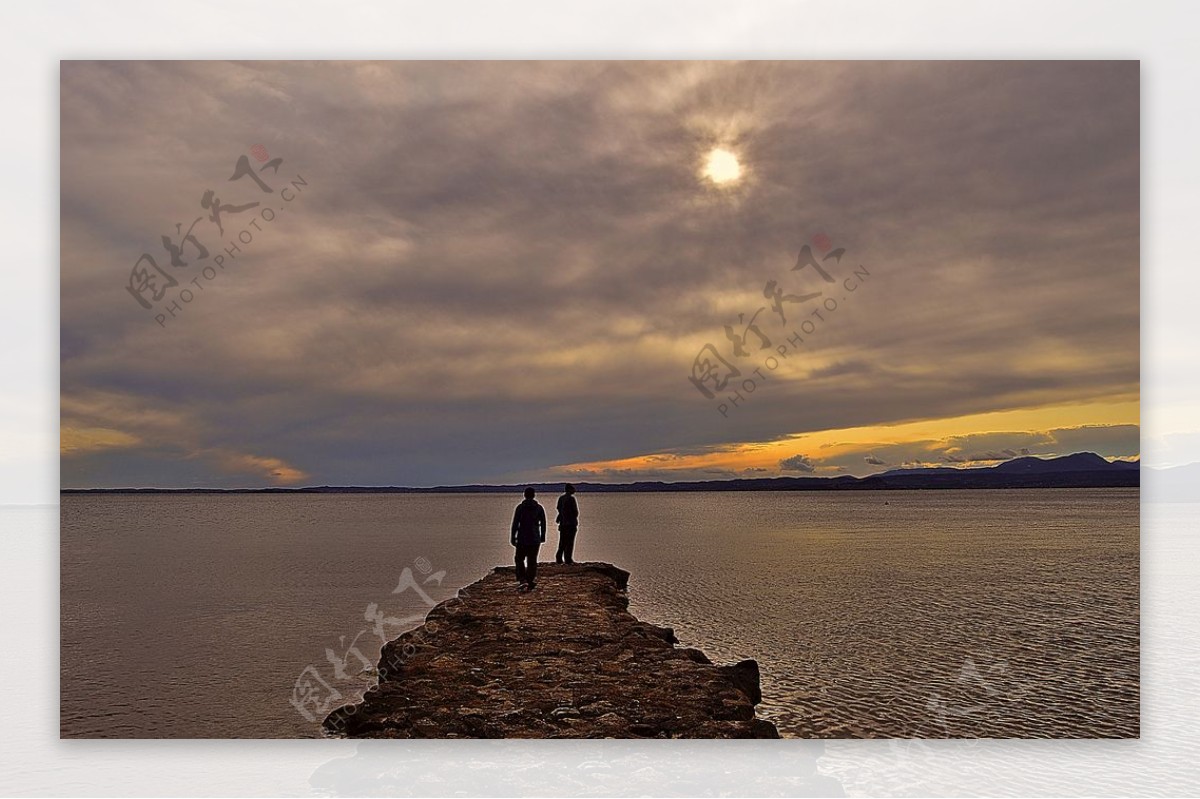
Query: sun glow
point(721, 166)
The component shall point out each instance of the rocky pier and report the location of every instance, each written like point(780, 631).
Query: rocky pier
point(567, 660)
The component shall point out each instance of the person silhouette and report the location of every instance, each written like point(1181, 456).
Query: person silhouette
point(568, 525)
point(528, 533)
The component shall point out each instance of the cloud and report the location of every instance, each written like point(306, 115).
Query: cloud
point(273, 470)
point(495, 268)
point(871, 459)
point(1005, 455)
point(1115, 440)
point(79, 440)
point(797, 463)
point(94, 423)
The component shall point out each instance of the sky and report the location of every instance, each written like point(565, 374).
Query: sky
point(431, 273)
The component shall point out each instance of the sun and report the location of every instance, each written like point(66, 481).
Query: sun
point(721, 167)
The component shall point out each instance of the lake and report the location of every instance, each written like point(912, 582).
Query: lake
point(969, 613)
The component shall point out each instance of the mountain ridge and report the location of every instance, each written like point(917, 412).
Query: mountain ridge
point(1078, 470)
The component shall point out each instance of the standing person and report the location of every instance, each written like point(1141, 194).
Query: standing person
point(568, 525)
point(528, 533)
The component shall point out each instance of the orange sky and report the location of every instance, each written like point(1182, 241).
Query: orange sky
point(929, 442)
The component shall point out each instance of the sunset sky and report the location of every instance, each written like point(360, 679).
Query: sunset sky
point(499, 272)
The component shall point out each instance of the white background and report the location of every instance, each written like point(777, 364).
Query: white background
point(34, 36)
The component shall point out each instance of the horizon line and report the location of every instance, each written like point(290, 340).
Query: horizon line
point(518, 486)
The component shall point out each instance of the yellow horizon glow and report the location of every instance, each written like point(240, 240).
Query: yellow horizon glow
point(825, 444)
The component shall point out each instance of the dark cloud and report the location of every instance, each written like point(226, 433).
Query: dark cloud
point(797, 463)
point(1004, 455)
point(497, 268)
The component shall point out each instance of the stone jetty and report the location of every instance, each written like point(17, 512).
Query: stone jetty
point(567, 660)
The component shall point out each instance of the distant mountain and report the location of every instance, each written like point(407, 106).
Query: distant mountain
point(1079, 462)
point(1081, 470)
point(921, 470)
point(1029, 464)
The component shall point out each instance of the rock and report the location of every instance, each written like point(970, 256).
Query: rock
point(567, 660)
point(745, 676)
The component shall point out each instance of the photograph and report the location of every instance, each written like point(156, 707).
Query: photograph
point(625, 399)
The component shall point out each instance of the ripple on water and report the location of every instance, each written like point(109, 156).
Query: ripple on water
point(942, 613)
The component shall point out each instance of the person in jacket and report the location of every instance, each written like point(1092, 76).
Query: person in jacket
point(528, 533)
point(568, 525)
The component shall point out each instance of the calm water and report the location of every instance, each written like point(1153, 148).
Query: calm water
point(924, 613)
